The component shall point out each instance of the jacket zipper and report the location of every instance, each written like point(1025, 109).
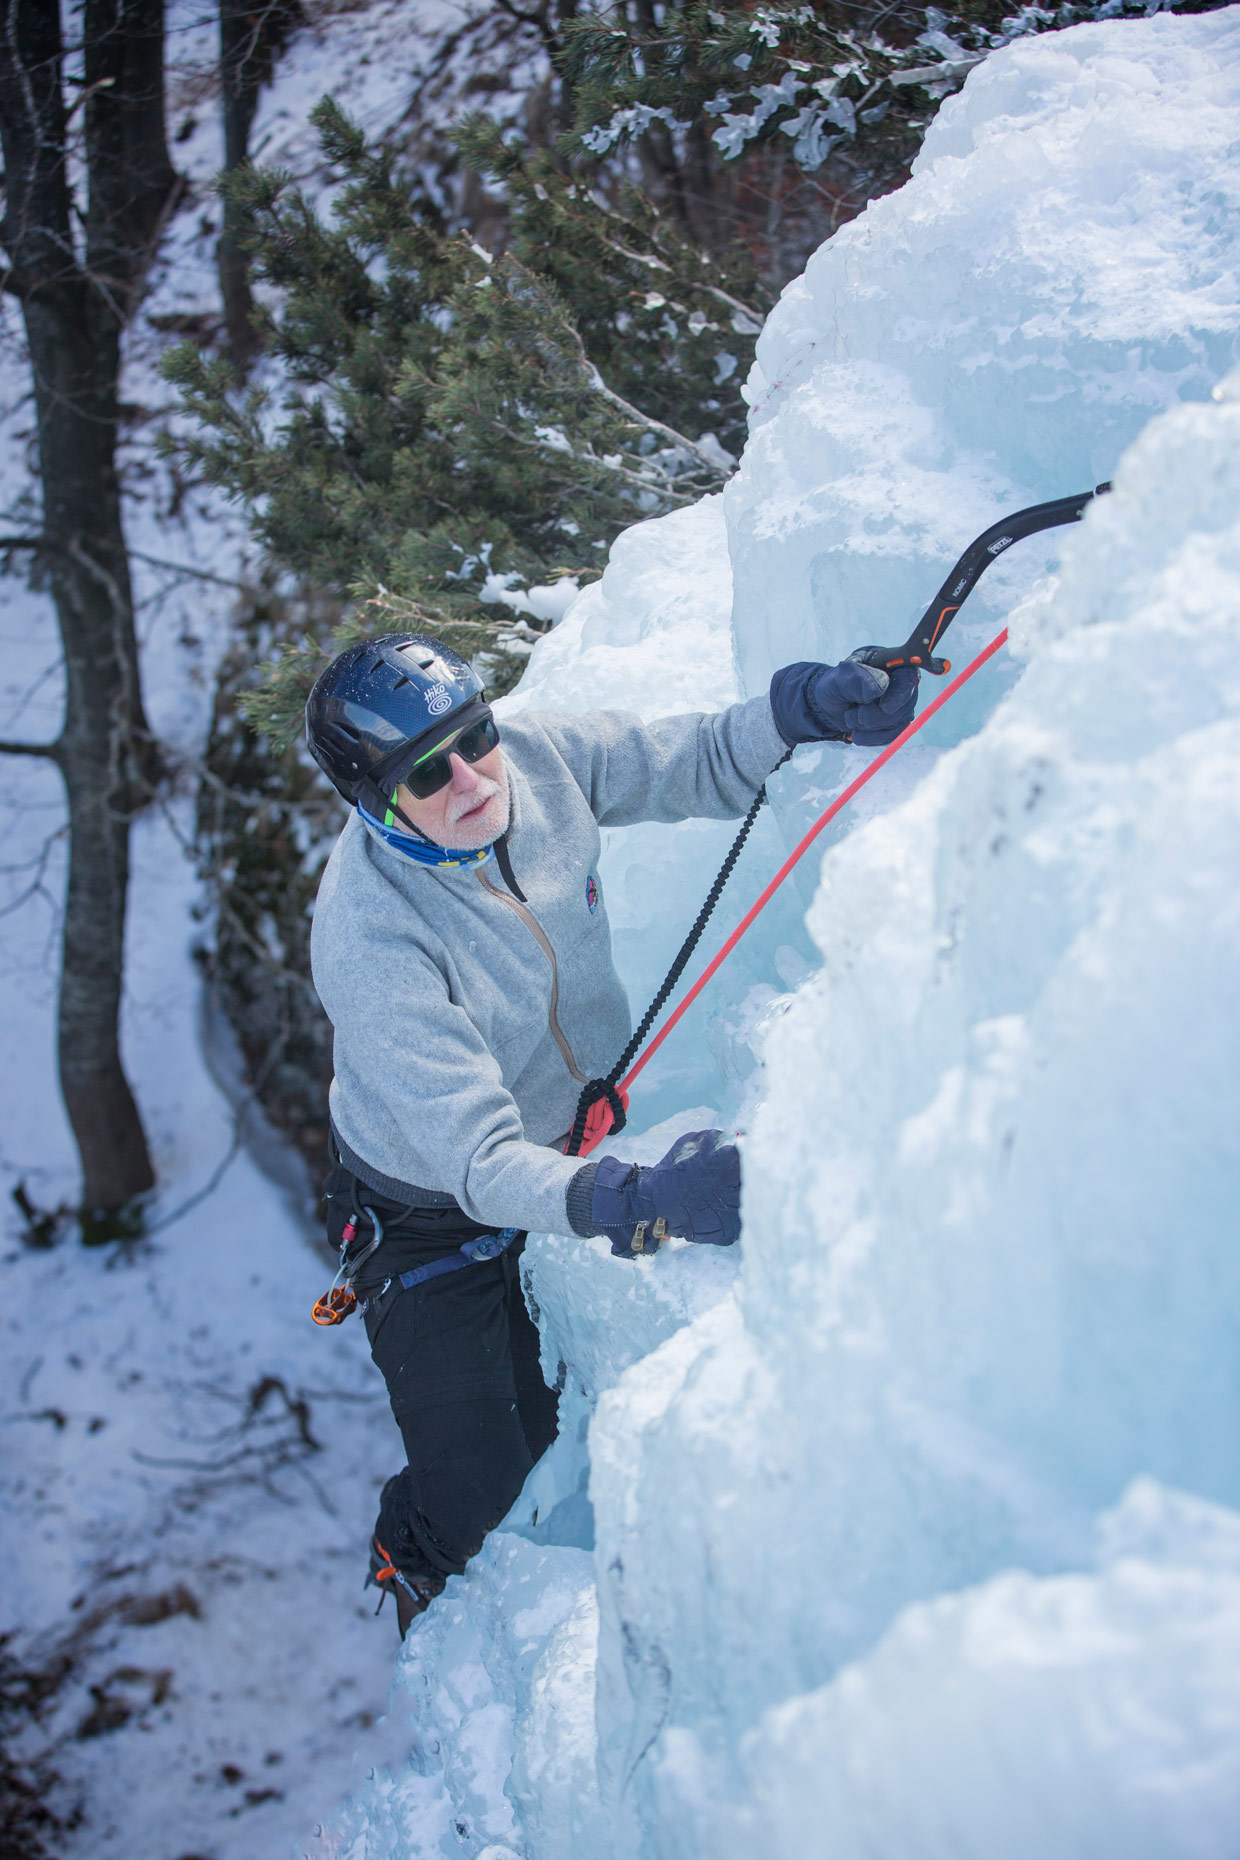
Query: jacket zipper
point(543, 941)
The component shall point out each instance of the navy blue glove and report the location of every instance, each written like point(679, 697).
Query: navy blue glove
point(839, 703)
point(694, 1192)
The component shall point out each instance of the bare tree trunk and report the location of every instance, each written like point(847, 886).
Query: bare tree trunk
point(75, 308)
point(566, 101)
point(132, 181)
point(103, 746)
point(251, 33)
point(240, 99)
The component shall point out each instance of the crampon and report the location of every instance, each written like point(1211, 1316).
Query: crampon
point(414, 1594)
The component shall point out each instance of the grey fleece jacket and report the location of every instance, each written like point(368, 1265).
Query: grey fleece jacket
point(465, 1023)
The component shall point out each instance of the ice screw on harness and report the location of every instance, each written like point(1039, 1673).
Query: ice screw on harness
point(611, 1094)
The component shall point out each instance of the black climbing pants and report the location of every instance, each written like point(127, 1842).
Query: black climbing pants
point(459, 1354)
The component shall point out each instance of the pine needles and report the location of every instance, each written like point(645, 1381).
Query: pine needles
point(437, 430)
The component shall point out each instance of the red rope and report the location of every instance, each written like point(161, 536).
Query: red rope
point(824, 820)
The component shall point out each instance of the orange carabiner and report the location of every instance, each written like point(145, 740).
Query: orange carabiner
point(334, 1306)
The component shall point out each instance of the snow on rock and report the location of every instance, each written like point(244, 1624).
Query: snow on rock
point(492, 1708)
point(667, 590)
point(1122, 1680)
point(919, 1538)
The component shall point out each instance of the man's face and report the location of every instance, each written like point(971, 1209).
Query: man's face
point(471, 811)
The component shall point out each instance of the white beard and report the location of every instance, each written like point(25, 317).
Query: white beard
point(484, 827)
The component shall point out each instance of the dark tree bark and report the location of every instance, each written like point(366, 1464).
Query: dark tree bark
point(132, 181)
point(547, 17)
point(251, 33)
point(75, 304)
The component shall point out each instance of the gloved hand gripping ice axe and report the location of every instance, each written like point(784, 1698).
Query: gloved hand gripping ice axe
point(918, 648)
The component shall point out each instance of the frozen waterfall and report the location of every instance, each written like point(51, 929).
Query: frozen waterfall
point(913, 1531)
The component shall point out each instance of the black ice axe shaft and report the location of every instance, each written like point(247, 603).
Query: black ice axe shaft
point(918, 648)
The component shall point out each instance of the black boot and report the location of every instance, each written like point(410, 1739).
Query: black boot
point(414, 1594)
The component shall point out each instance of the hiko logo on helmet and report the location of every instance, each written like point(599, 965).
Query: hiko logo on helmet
point(438, 700)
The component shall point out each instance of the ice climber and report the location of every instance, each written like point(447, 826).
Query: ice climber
point(462, 951)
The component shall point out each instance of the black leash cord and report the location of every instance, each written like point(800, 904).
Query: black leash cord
point(606, 1087)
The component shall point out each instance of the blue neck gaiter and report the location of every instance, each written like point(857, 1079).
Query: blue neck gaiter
point(423, 852)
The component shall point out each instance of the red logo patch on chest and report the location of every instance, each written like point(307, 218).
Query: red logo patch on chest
point(591, 893)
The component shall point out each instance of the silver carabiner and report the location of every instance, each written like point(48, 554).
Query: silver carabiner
point(348, 1272)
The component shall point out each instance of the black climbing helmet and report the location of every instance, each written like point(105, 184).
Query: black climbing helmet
point(371, 709)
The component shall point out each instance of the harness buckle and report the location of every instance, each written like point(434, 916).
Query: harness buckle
point(490, 1246)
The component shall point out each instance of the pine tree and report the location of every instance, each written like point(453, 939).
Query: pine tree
point(666, 323)
point(806, 110)
point(448, 431)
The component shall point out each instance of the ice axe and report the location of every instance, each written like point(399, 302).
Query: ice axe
point(918, 648)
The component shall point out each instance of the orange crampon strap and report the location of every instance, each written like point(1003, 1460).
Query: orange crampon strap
point(334, 1306)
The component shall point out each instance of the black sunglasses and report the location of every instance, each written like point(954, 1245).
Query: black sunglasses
point(434, 771)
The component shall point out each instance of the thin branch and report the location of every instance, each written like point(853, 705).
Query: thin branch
point(49, 671)
point(645, 419)
point(214, 1179)
point(36, 887)
point(183, 568)
point(686, 489)
point(48, 545)
point(279, 972)
point(49, 751)
point(655, 263)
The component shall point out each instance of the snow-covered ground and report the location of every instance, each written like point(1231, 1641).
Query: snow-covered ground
point(911, 1527)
